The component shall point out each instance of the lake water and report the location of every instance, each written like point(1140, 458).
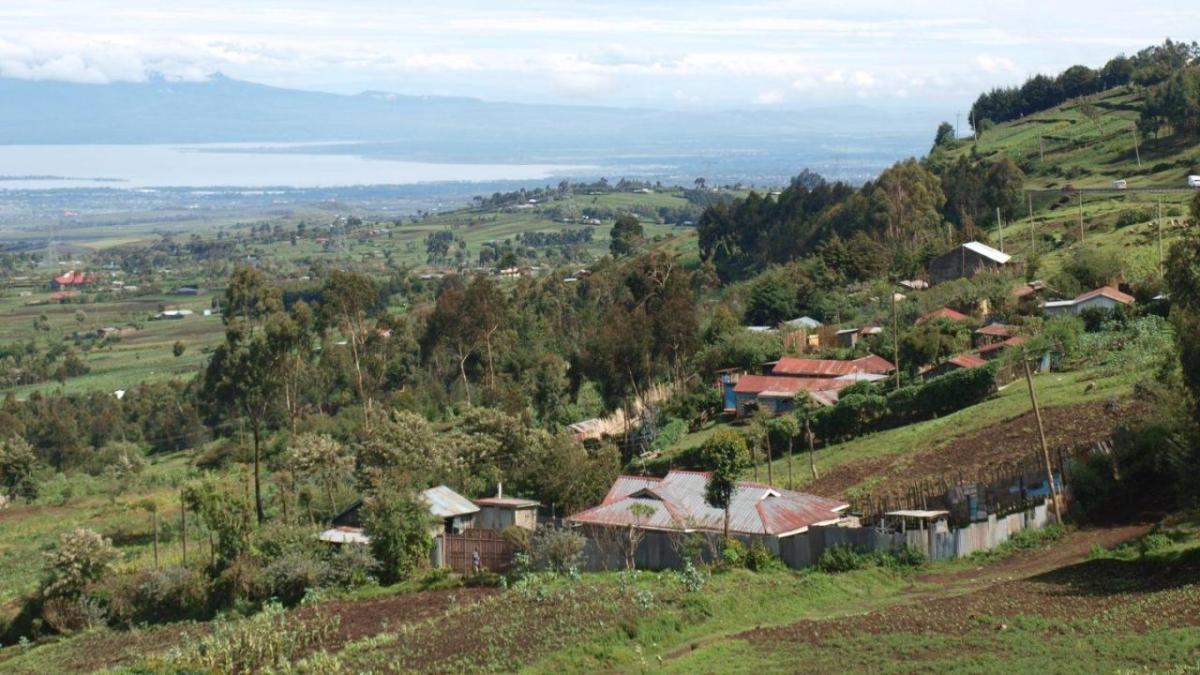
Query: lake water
point(33, 167)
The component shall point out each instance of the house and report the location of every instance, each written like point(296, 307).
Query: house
point(499, 512)
point(943, 313)
point(675, 505)
point(454, 514)
point(777, 393)
point(995, 349)
point(1028, 290)
point(72, 280)
point(993, 333)
point(804, 322)
point(187, 290)
point(960, 362)
point(967, 260)
point(174, 314)
point(1105, 297)
point(797, 367)
point(848, 337)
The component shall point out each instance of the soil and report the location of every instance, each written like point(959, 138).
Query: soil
point(1068, 428)
point(360, 619)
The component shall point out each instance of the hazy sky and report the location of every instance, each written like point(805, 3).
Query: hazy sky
point(678, 54)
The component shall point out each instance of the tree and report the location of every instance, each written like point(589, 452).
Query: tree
point(348, 300)
point(786, 426)
point(1183, 280)
point(640, 513)
point(944, 136)
point(17, 464)
point(398, 524)
point(1003, 187)
point(322, 460)
point(243, 375)
point(626, 236)
point(726, 456)
point(224, 513)
point(178, 348)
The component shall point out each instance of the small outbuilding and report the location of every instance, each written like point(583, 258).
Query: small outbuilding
point(499, 512)
point(967, 260)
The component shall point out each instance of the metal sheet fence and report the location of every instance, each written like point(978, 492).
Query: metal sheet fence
point(458, 551)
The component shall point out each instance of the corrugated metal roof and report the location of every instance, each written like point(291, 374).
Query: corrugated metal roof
point(678, 504)
point(944, 313)
point(790, 365)
point(783, 384)
point(997, 330)
point(1107, 292)
point(804, 321)
point(871, 363)
point(987, 252)
point(510, 502)
point(446, 503)
point(967, 361)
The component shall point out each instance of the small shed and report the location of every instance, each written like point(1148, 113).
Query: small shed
point(967, 260)
point(499, 512)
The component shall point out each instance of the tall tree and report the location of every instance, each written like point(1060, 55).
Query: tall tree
point(242, 377)
point(626, 236)
point(726, 456)
point(348, 301)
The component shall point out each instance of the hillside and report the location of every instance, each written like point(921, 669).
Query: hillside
point(1087, 144)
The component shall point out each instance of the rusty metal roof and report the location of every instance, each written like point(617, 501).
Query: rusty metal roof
point(782, 384)
point(876, 365)
point(676, 502)
point(790, 365)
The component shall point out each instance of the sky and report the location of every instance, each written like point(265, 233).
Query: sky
point(667, 54)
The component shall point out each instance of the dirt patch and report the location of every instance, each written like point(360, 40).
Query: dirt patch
point(1003, 444)
point(26, 511)
point(360, 619)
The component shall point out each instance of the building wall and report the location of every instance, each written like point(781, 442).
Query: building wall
point(497, 518)
point(960, 263)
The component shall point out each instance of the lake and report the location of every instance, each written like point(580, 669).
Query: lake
point(33, 167)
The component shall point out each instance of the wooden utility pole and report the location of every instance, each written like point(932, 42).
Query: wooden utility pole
point(1080, 215)
point(1000, 228)
point(1136, 150)
point(154, 515)
point(895, 338)
point(183, 525)
point(1041, 149)
point(1161, 273)
point(1032, 242)
point(1037, 413)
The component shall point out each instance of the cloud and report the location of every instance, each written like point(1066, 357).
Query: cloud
point(772, 97)
point(996, 64)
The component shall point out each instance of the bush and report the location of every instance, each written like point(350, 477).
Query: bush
point(67, 615)
point(842, 558)
point(236, 582)
point(289, 577)
point(557, 550)
point(734, 553)
point(82, 557)
point(399, 529)
point(156, 595)
point(351, 567)
point(518, 537)
point(276, 539)
point(760, 559)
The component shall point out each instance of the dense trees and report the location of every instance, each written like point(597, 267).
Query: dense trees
point(626, 235)
point(1148, 67)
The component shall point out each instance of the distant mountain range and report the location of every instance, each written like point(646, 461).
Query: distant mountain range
point(442, 128)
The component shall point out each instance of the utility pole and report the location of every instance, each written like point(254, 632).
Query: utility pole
point(957, 117)
point(1041, 149)
point(1161, 274)
point(1032, 243)
point(973, 127)
point(1080, 215)
point(1000, 228)
point(1137, 151)
point(895, 338)
point(1037, 413)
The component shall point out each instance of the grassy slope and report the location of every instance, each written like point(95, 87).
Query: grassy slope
point(1090, 154)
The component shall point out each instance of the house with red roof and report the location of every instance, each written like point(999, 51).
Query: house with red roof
point(944, 313)
point(72, 280)
point(1105, 297)
point(960, 362)
point(674, 505)
point(777, 393)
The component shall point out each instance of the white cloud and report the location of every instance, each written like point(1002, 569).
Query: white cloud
point(996, 64)
point(772, 97)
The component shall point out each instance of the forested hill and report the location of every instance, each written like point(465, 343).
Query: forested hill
point(1022, 173)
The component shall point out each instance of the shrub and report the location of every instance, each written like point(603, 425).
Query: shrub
point(156, 595)
point(760, 559)
point(842, 558)
point(236, 582)
point(399, 529)
point(518, 537)
point(556, 549)
point(289, 577)
point(352, 566)
point(82, 557)
point(275, 540)
point(70, 614)
point(733, 554)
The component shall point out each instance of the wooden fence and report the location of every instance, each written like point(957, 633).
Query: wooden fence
point(458, 551)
